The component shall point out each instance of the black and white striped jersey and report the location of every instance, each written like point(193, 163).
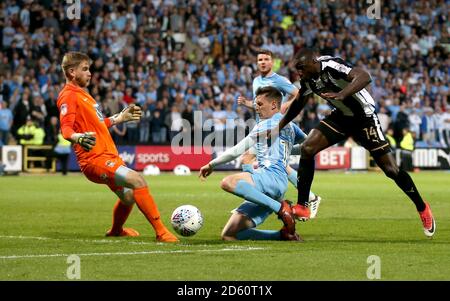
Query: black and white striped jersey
point(332, 78)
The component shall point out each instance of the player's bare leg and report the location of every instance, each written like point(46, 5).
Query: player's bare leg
point(236, 223)
point(403, 180)
point(145, 202)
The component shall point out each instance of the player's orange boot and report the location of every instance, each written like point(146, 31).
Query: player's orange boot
point(125, 232)
point(428, 222)
point(301, 212)
point(286, 215)
point(167, 237)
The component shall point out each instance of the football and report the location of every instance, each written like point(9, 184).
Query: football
point(186, 220)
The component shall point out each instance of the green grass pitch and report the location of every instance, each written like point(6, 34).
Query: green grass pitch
point(44, 219)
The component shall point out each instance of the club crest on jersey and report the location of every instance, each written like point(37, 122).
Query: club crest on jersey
point(110, 163)
point(63, 109)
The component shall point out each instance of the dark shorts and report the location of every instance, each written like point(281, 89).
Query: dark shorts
point(364, 130)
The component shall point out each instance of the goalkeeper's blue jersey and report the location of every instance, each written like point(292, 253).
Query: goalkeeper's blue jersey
point(274, 155)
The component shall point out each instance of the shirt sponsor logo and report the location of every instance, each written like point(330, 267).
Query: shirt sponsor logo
point(63, 109)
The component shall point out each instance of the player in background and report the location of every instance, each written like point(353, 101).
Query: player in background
point(83, 124)
point(263, 188)
point(343, 87)
point(289, 91)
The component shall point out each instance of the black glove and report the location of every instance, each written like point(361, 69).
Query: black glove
point(86, 141)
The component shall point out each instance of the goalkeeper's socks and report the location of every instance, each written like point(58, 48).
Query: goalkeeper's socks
point(120, 215)
point(255, 234)
point(147, 205)
point(250, 193)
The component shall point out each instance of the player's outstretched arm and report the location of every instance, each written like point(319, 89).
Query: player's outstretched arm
point(294, 109)
point(245, 102)
point(285, 106)
point(227, 156)
point(205, 171)
point(358, 78)
point(130, 113)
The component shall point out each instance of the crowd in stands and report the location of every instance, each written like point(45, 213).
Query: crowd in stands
point(187, 61)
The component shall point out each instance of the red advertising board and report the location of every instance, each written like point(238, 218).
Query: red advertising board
point(166, 157)
point(333, 158)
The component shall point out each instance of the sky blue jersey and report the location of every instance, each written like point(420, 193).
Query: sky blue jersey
point(274, 155)
point(276, 81)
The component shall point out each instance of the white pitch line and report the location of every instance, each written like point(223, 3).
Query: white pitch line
point(103, 241)
point(129, 253)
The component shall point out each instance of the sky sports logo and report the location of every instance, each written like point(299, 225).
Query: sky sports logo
point(127, 157)
point(147, 158)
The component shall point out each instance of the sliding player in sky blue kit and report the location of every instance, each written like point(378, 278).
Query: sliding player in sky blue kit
point(263, 188)
point(289, 91)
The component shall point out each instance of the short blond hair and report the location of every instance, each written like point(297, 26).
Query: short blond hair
point(72, 60)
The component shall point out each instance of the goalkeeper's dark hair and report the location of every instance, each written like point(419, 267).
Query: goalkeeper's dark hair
point(270, 92)
point(73, 59)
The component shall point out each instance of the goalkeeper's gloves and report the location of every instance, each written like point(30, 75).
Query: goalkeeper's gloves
point(85, 140)
point(130, 113)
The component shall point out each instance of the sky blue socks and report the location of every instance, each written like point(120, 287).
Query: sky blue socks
point(255, 234)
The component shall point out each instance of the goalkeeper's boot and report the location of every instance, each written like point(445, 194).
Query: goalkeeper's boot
point(124, 232)
point(429, 224)
point(285, 235)
point(167, 237)
point(286, 215)
point(313, 206)
point(301, 212)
